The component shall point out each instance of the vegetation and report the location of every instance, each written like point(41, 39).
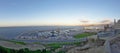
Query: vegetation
point(18, 42)
point(14, 41)
point(26, 50)
point(85, 34)
point(58, 45)
point(55, 46)
point(64, 43)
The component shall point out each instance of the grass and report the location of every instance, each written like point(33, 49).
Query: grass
point(85, 34)
point(18, 42)
point(13, 41)
point(58, 45)
point(55, 46)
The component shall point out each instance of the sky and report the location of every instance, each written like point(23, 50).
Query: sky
point(58, 12)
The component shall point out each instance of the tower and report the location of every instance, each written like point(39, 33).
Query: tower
point(114, 21)
point(114, 24)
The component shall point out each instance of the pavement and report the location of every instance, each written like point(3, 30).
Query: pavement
point(115, 44)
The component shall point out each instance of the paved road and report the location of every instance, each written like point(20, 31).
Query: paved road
point(115, 49)
point(55, 41)
point(113, 44)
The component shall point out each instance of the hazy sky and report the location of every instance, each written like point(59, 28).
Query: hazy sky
point(57, 12)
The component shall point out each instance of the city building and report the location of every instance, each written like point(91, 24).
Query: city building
point(117, 27)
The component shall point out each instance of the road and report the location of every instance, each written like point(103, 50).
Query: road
point(55, 41)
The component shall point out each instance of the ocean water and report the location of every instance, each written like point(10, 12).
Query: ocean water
point(12, 32)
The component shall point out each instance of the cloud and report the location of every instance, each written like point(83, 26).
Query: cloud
point(106, 21)
point(84, 21)
point(95, 23)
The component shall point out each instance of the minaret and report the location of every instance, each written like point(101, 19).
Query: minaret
point(114, 21)
point(114, 26)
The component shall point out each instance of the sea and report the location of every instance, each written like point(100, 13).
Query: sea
point(12, 32)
